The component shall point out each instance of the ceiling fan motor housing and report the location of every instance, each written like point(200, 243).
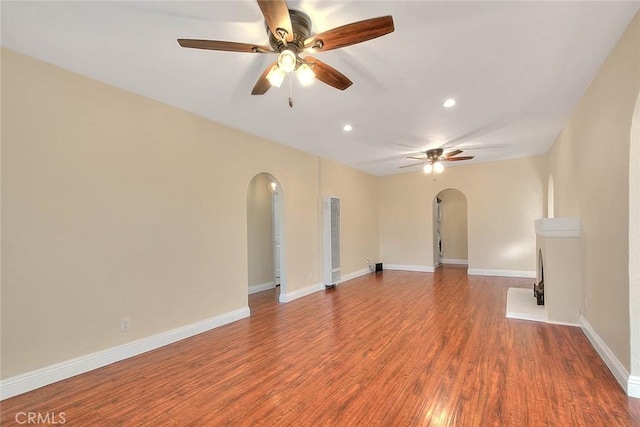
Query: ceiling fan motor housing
point(434, 154)
point(301, 25)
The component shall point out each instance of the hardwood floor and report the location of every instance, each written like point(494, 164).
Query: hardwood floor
point(393, 349)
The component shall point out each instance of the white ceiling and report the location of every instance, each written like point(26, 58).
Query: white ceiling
point(516, 69)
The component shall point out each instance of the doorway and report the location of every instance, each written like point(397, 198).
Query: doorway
point(264, 235)
point(450, 234)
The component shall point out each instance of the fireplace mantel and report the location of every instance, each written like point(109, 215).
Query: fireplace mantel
point(558, 227)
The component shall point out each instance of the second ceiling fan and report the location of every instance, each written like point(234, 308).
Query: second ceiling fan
point(289, 33)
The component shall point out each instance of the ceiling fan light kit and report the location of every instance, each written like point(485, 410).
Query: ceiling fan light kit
point(287, 60)
point(289, 33)
point(435, 167)
point(305, 75)
point(276, 76)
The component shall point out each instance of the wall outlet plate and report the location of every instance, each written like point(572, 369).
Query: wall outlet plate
point(125, 324)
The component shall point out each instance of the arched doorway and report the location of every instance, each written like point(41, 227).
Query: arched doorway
point(450, 228)
point(265, 240)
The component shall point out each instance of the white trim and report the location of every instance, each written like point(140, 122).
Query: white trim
point(501, 273)
point(455, 261)
point(355, 274)
point(610, 359)
point(556, 322)
point(299, 293)
point(253, 289)
point(41, 377)
point(420, 268)
point(633, 388)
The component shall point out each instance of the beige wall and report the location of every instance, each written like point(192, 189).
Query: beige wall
point(116, 205)
point(358, 193)
point(590, 166)
point(260, 231)
point(503, 200)
point(453, 228)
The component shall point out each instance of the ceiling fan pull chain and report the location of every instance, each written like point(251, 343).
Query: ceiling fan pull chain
point(290, 91)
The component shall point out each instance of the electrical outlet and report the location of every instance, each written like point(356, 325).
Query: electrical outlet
point(368, 261)
point(125, 324)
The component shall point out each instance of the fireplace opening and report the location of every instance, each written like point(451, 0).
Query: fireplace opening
point(538, 288)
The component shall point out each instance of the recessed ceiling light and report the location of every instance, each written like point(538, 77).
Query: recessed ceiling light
point(449, 103)
point(347, 128)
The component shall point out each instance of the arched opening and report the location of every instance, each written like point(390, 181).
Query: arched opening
point(551, 205)
point(265, 240)
point(450, 234)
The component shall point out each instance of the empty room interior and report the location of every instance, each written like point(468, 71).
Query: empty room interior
point(320, 213)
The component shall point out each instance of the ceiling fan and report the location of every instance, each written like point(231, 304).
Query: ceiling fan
point(434, 158)
point(290, 35)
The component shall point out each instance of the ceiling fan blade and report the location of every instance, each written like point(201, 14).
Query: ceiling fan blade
point(453, 153)
point(455, 159)
point(327, 74)
point(413, 164)
point(276, 15)
point(263, 85)
point(416, 158)
point(349, 34)
point(224, 46)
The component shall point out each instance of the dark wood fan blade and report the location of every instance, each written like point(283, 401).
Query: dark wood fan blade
point(455, 159)
point(263, 85)
point(453, 153)
point(276, 15)
point(327, 74)
point(412, 164)
point(224, 46)
point(416, 158)
point(349, 34)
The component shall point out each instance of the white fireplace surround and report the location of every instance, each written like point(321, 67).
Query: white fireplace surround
point(559, 253)
point(559, 247)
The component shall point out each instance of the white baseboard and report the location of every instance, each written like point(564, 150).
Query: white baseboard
point(253, 289)
point(633, 389)
point(355, 274)
point(39, 378)
point(455, 261)
point(299, 293)
point(610, 359)
point(420, 268)
point(501, 273)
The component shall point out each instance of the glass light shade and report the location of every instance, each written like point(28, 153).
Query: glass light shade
point(305, 75)
point(438, 167)
point(428, 168)
point(287, 61)
point(275, 76)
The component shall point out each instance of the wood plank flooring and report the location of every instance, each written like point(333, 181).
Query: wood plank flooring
point(393, 349)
